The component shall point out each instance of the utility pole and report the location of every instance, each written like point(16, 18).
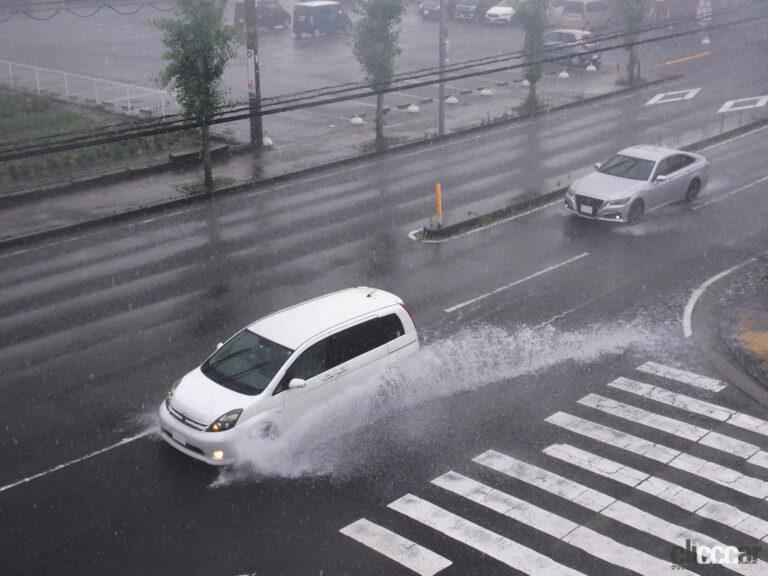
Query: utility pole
point(254, 79)
point(441, 88)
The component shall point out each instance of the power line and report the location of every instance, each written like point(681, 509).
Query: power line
point(45, 146)
point(43, 11)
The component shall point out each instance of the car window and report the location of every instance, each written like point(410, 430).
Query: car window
point(628, 167)
point(596, 7)
point(686, 160)
point(311, 362)
point(358, 340)
point(573, 8)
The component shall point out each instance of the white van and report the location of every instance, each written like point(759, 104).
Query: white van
point(264, 378)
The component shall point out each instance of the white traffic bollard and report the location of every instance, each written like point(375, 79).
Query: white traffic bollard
point(356, 120)
point(591, 68)
point(564, 75)
point(525, 82)
point(267, 142)
point(485, 91)
point(706, 41)
point(412, 109)
point(451, 100)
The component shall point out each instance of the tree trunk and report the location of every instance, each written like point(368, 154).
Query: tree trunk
point(207, 168)
point(531, 103)
point(379, 119)
point(632, 67)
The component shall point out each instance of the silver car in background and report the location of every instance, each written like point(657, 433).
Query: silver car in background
point(636, 180)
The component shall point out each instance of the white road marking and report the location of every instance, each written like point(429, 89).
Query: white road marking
point(676, 96)
point(412, 234)
point(684, 498)
point(687, 403)
point(76, 460)
point(498, 547)
point(671, 426)
point(589, 541)
point(696, 294)
point(544, 479)
point(687, 463)
point(731, 193)
point(409, 554)
point(517, 282)
point(683, 376)
point(740, 104)
point(615, 509)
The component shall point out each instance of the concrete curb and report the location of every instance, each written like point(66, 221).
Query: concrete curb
point(167, 205)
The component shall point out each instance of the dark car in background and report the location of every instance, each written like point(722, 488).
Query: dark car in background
point(572, 46)
point(269, 14)
point(320, 17)
point(473, 10)
point(430, 9)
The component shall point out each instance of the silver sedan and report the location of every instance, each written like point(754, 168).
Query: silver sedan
point(636, 180)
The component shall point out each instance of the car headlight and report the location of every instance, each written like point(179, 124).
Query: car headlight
point(225, 421)
point(569, 192)
point(169, 394)
point(618, 202)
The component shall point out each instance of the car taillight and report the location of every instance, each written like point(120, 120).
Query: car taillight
point(586, 46)
point(408, 312)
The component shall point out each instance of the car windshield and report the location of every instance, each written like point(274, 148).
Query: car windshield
point(247, 363)
point(505, 4)
point(628, 167)
point(573, 8)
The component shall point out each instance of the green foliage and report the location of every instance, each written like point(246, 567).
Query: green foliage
point(532, 15)
point(198, 46)
point(375, 43)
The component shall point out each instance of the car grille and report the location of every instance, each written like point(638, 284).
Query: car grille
point(587, 201)
point(465, 12)
point(186, 420)
point(187, 446)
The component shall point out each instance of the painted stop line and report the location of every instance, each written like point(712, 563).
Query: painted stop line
point(743, 104)
point(676, 96)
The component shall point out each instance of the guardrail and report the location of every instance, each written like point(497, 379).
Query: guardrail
point(126, 98)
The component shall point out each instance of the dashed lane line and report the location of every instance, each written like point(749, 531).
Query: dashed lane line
point(122, 442)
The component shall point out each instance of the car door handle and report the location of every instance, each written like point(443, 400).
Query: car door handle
point(342, 370)
point(327, 377)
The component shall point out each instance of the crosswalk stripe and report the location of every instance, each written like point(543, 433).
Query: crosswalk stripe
point(589, 541)
point(693, 405)
point(494, 545)
point(683, 376)
point(697, 466)
point(414, 557)
point(671, 426)
point(617, 510)
point(684, 498)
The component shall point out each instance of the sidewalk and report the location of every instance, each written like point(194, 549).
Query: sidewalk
point(743, 321)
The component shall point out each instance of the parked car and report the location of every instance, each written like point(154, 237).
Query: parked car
point(473, 10)
point(502, 13)
point(269, 14)
point(430, 9)
point(319, 17)
point(636, 180)
point(573, 46)
point(270, 374)
point(555, 12)
point(587, 15)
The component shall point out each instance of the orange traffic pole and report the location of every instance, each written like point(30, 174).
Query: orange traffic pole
point(438, 204)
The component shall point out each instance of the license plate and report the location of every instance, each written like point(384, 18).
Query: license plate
point(587, 210)
point(179, 437)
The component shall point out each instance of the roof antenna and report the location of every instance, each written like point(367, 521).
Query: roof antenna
point(371, 292)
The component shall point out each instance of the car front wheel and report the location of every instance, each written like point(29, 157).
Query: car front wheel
point(693, 190)
point(636, 211)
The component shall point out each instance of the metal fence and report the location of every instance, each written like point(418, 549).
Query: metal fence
point(118, 96)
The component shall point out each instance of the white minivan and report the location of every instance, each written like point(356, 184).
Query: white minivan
point(264, 378)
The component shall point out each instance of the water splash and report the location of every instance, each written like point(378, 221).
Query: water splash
point(323, 443)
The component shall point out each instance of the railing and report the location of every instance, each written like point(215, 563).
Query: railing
point(126, 98)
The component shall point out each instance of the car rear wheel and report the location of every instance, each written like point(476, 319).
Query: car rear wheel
point(693, 190)
point(636, 211)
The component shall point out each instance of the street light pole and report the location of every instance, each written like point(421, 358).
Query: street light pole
point(254, 79)
point(441, 88)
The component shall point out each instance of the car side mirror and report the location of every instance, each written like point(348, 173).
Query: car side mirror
point(661, 178)
point(597, 165)
point(296, 383)
point(219, 345)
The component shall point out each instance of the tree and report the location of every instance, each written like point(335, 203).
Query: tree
point(532, 15)
point(632, 14)
point(375, 47)
point(198, 46)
